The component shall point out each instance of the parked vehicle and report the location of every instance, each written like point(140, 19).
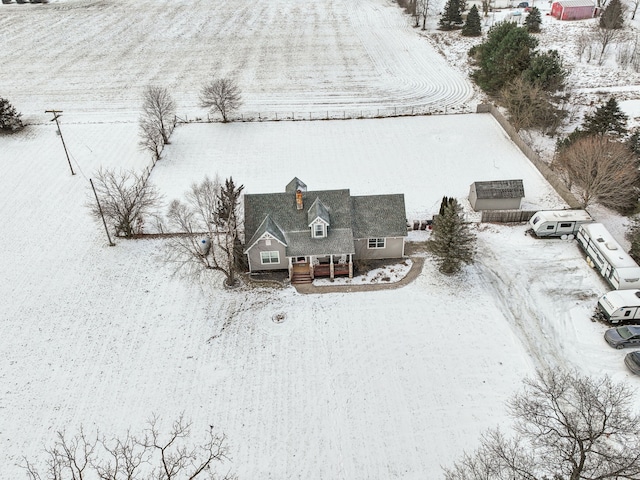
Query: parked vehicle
point(607, 256)
point(558, 223)
point(625, 336)
point(618, 306)
point(632, 361)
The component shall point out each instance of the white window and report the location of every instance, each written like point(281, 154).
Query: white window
point(376, 243)
point(269, 257)
point(318, 230)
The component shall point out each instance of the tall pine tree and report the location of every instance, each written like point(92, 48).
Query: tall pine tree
point(533, 21)
point(606, 120)
point(451, 240)
point(9, 117)
point(451, 15)
point(473, 26)
point(613, 16)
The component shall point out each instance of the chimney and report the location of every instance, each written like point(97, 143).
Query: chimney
point(299, 199)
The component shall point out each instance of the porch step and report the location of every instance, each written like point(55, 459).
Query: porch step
point(301, 278)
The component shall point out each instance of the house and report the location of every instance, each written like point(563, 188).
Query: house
point(496, 195)
point(573, 9)
point(321, 233)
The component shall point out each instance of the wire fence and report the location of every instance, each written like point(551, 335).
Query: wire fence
point(346, 114)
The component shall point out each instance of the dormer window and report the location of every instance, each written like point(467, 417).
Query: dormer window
point(318, 230)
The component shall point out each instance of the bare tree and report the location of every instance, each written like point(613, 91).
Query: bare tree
point(601, 170)
point(68, 458)
point(153, 456)
point(123, 459)
point(634, 8)
point(567, 426)
point(159, 110)
point(150, 138)
point(175, 458)
point(222, 95)
point(126, 198)
point(423, 9)
point(530, 106)
point(210, 229)
point(604, 37)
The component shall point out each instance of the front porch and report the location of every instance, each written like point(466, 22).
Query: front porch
point(305, 269)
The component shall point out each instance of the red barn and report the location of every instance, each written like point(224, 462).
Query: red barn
point(573, 9)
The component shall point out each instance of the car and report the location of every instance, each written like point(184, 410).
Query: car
point(632, 361)
point(523, 5)
point(621, 337)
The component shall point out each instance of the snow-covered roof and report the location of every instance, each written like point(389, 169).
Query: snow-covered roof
point(575, 3)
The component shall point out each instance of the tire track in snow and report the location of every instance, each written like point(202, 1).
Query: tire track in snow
point(524, 316)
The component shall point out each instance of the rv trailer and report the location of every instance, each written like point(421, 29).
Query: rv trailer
point(607, 256)
point(619, 306)
point(558, 223)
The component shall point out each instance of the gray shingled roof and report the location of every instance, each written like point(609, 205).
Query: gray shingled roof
point(350, 217)
point(379, 216)
point(294, 185)
point(500, 189)
point(338, 240)
point(267, 226)
point(318, 210)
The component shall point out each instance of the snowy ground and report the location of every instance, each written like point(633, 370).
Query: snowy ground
point(288, 56)
point(389, 384)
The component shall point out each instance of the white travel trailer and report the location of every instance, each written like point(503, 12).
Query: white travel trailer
point(608, 257)
point(558, 223)
point(619, 306)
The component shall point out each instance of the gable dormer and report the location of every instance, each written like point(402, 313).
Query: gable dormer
point(318, 217)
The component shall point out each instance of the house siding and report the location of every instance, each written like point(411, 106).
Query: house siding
point(255, 263)
point(394, 248)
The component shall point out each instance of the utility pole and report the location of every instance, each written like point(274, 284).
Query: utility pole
point(111, 244)
point(55, 118)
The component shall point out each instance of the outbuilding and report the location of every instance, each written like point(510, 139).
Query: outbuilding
point(496, 195)
point(573, 9)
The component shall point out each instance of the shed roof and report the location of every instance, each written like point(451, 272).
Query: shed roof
point(499, 189)
point(575, 3)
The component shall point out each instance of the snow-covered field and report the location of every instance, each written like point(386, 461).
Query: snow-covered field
point(385, 384)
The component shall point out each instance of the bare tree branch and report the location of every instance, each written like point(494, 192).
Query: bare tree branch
point(159, 110)
point(210, 239)
point(602, 170)
point(567, 426)
point(127, 199)
point(222, 95)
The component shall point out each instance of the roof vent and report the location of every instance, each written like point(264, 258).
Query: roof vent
point(638, 293)
point(611, 246)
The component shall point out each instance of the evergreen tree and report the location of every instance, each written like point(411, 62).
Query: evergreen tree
point(606, 120)
point(451, 240)
point(503, 56)
point(533, 21)
point(612, 17)
point(451, 15)
point(473, 27)
point(546, 71)
point(633, 142)
point(228, 200)
point(9, 117)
